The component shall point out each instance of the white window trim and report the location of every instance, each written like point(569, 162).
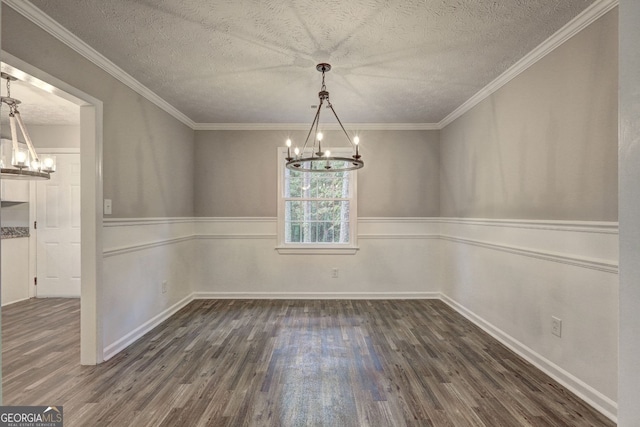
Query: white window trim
point(323, 248)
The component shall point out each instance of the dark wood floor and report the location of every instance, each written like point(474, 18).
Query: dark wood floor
point(284, 363)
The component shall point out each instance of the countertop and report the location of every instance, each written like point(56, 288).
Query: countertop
point(14, 232)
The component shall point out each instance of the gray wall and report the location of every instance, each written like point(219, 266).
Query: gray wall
point(54, 136)
point(544, 146)
point(60, 136)
point(148, 155)
point(629, 344)
point(237, 172)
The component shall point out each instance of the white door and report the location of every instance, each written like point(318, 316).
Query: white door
point(58, 230)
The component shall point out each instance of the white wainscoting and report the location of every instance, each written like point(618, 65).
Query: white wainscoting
point(507, 276)
point(133, 234)
point(139, 255)
point(397, 258)
point(511, 277)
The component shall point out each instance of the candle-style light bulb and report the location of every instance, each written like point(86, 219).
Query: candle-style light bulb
point(49, 164)
point(356, 141)
point(327, 155)
point(319, 137)
point(288, 149)
point(20, 158)
point(296, 151)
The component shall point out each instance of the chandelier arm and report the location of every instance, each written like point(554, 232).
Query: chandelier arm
point(14, 132)
point(316, 119)
point(340, 123)
point(27, 138)
point(315, 138)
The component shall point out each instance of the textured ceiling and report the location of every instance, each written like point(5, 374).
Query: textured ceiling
point(39, 107)
point(242, 61)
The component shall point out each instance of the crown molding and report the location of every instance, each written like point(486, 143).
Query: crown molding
point(577, 24)
point(324, 126)
point(45, 22)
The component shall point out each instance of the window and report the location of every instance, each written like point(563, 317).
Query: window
point(316, 210)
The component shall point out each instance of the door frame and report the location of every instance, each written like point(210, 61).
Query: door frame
point(91, 193)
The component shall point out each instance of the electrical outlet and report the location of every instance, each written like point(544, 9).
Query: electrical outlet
point(556, 326)
point(334, 273)
point(107, 206)
point(164, 286)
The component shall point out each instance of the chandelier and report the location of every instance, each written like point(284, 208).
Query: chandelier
point(311, 158)
point(21, 161)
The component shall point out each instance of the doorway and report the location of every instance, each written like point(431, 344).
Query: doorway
point(91, 126)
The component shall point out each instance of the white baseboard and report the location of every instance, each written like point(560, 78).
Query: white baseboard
point(116, 347)
point(316, 295)
point(70, 296)
point(593, 397)
point(13, 302)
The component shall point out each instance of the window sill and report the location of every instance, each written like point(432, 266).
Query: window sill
point(293, 250)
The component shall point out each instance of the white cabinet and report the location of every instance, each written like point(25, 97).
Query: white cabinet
point(15, 270)
point(14, 190)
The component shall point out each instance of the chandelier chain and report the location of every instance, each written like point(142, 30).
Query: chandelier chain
point(13, 106)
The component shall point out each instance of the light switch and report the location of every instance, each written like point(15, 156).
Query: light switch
point(107, 206)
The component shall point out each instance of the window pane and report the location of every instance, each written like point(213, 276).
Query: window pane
point(293, 187)
point(294, 211)
point(317, 232)
point(316, 185)
point(315, 211)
